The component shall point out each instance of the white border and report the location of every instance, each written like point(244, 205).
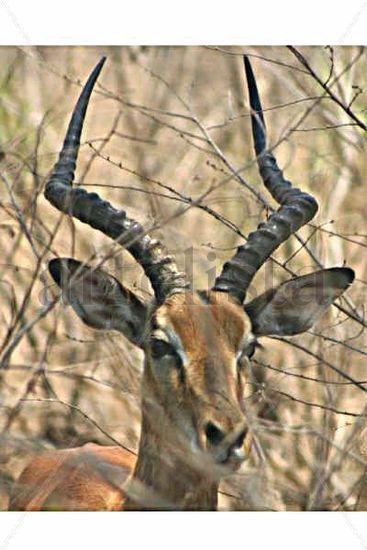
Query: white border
point(185, 530)
point(167, 22)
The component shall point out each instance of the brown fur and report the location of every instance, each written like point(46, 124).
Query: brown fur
point(84, 478)
point(211, 335)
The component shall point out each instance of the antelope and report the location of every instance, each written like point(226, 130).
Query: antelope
point(197, 344)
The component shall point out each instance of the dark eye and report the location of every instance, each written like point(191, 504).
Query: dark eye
point(160, 348)
point(249, 349)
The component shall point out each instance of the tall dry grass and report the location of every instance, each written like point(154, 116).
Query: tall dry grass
point(167, 137)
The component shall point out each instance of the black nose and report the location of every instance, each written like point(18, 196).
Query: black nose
point(214, 434)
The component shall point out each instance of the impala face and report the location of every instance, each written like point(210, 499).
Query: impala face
point(196, 358)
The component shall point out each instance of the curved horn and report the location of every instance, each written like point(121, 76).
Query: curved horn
point(89, 208)
point(297, 208)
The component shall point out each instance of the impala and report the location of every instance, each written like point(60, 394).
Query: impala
point(197, 344)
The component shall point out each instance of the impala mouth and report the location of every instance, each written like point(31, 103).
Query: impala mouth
point(232, 459)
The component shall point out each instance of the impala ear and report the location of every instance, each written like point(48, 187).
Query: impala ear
point(99, 299)
point(296, 305)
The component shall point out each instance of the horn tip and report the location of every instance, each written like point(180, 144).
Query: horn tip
point(248, 66)
point(97, 69)
point(100, 64)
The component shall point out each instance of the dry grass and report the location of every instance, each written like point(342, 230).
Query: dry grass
point(178, 117)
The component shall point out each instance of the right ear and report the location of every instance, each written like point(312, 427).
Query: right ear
point(99, 299)
point(296, 305)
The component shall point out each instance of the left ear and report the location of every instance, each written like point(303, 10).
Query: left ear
point(296, 305)
point(99, 299)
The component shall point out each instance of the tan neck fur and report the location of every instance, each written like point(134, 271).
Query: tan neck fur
point(164, 480)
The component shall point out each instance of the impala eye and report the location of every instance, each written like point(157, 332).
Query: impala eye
point(249, 349)
point(160, 348)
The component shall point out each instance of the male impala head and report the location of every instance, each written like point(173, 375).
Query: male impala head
point(196, 343)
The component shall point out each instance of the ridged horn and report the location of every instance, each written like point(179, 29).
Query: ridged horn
point(160, 268)
point(297, 208)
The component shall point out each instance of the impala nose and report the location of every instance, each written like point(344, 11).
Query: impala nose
point(226, 445)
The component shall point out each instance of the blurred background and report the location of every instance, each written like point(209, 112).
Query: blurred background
point(168, 139)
